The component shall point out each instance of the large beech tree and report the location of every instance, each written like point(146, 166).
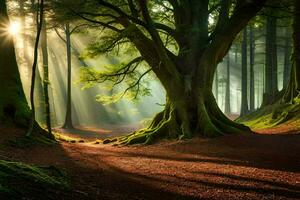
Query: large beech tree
point(186, 69)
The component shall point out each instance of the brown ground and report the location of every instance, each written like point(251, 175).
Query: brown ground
point(230, 167)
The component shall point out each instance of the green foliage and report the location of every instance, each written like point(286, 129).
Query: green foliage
point(110, 43)
point(18, 179)
point(133, 85)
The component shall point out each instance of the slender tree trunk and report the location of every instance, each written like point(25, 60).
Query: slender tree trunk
point(244, 92)
point(44, 46)
point(68, 120)
point(252, 81)
point(39, 23)
point(287, 57)
point(227, 93)
point(23, 24)
point(271, 87)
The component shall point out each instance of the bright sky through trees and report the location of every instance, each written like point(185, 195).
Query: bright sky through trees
point(14, 28)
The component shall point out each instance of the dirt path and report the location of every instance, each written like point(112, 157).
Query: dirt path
point(94, 133)
point(231, 167)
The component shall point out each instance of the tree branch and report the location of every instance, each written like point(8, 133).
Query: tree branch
point(161, 50)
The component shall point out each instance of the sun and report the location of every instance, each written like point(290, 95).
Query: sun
point(14, 28)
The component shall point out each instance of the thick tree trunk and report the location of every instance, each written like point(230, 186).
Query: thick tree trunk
point(68, 120)
point(186, 115)
point(293, 88)
point(271, 87)
point(252, 81)
point(13, 104)
point(191, 108)
point(244, 77)
point(227, 92)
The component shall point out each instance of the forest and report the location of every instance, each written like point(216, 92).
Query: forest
point(149, 99)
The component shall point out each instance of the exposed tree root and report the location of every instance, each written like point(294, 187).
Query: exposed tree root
point(177, 121)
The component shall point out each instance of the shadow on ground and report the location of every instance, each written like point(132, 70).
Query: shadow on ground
point(231, 167)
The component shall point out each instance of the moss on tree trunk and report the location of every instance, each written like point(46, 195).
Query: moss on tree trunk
point(293, 88)
point(187, 113)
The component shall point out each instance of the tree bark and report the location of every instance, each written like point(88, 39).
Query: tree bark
point(227, 92)
point(252, 80)
point(44, 46)
point(244, 77)
point(68, 119)
point(39, 25)
point(293, 89)
point(217, 86)
point(287, 57)
point(271, 87)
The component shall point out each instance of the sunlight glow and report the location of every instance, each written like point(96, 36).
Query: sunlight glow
point(14, 28)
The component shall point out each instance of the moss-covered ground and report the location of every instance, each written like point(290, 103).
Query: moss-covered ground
point(271, 116)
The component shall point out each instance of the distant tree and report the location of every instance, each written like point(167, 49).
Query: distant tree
point(244, 79)
point(65, 25)
point(252, 63)
point(44, 47)
point(287, 56)
point(227, 109)
point(271, 76)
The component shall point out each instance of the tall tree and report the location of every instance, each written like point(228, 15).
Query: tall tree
point(293, 88)
point(68, 124)
point(271, 82)
point(217, 86)
point(287, 57)
point(44, 47)
point(14, 108)
point(227, 92)
point(13, 105)
point(252, 80)
point(244, 77)
point(68, 119)
point(187, 75)
point(39, 24)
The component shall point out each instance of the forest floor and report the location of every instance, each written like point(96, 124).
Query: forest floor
point(256, 166)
